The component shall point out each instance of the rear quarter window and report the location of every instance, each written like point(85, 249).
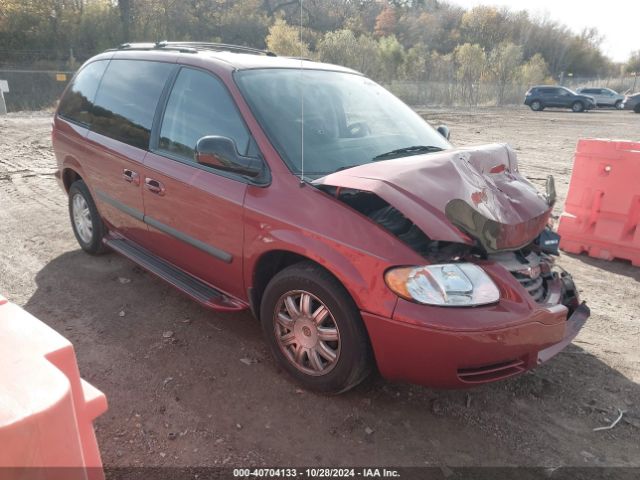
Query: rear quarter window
point(77, 102)
point(127, 99)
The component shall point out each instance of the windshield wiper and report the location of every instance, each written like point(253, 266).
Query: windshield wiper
point(415, 150)
point(346, 167)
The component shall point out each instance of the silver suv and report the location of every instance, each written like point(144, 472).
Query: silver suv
point(604, 97)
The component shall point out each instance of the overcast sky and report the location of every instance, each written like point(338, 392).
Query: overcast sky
point(617, 20)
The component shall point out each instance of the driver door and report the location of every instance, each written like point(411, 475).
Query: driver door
point(194, 212)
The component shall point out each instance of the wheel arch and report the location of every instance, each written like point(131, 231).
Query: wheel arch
point(69, 175)
point(267, 266)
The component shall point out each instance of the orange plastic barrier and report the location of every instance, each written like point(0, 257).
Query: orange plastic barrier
point(46, 409)
point(602, 210)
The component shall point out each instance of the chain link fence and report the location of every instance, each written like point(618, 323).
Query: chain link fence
point(454, 93)
point(34, 89)
point(37, 78)
point(38, 89)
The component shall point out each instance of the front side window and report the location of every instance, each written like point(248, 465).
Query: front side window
point(200, 105)
point(126, 101)
point(340, 119)
point(78, 100)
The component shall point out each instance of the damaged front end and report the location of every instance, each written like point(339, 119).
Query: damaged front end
point(462, 205)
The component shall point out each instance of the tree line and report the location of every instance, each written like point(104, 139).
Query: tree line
point(389, 40)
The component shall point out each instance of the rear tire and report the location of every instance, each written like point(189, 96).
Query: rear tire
point(314, 329)
point(536, 106)
point(85, 219)
point(577, 107)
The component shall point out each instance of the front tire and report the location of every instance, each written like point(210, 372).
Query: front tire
point(85, 219)
point(314, 329)
point(637, 108)
point(577, 107)
point(536, 106)
point(618, 105)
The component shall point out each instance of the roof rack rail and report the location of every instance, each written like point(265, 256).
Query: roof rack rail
point(192, 47)
point(151, 46)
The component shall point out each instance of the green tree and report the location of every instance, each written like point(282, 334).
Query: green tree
point(243, 23)
point(391, 56)
point(503, 63)
point(284, 39)
point(470, 65)
point(343, 48)
point(633, 64)
point(484, 26)
point(533, 72)
point(415, 63)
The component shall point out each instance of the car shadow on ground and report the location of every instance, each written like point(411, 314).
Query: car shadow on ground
point(198, 386)
point(568, 110)
point(617, 266)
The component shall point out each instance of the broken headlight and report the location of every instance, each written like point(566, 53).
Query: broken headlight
point(446, 285)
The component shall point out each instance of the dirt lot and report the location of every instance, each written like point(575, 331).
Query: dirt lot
point(209, 394)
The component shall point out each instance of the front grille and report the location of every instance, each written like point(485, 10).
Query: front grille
point(524, 268)
point(490, 373)
point(535, 286)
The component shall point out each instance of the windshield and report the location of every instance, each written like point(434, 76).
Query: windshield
point(348, 119)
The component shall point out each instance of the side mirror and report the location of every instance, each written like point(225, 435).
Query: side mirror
point(444, 131)
point(221, 153)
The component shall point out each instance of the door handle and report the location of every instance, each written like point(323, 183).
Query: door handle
point(131, 176)
point(154, 186)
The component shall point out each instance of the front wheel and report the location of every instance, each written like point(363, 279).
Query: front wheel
point(314, 329)
point(637, 108)
point(85, 219)
point(618, 105)
point(577, 107)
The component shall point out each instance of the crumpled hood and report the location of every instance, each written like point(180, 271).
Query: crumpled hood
point(457, 195)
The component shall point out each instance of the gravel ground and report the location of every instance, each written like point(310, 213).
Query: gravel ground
point(188, 387)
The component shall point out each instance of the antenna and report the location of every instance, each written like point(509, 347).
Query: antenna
point(301, 101)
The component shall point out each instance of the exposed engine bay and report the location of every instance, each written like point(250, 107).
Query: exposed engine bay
point(462, 204)
point(531, 266)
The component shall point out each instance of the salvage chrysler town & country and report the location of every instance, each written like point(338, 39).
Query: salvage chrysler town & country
point(305, 192)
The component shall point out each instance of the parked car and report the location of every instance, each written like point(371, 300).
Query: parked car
point(604, 97)
point(632, 102)
point(351, 228)
point(541, 97)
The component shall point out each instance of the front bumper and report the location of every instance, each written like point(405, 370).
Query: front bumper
point(407, 351)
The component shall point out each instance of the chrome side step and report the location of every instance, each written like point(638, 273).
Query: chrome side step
point(188, 284)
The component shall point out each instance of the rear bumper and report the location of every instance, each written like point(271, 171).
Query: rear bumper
point(406, 351)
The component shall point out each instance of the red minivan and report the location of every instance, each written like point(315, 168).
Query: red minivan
point(309, 194)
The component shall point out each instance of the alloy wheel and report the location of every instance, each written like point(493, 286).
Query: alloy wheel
point(82, 218)
point(306, 332)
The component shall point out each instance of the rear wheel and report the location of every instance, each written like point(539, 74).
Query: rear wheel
point(577, 107)
point(85, 219)
point(536, 106)
point(314, 329)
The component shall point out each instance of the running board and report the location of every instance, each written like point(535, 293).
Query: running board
point(188, 284)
